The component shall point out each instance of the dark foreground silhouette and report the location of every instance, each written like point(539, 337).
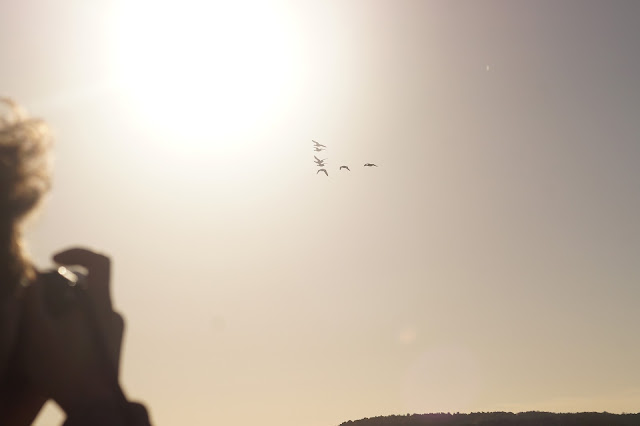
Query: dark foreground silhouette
point(530, 418)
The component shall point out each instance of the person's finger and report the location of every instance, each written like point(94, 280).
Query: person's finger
point(99, 269)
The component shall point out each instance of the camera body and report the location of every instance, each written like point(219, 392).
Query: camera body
point(61, 289)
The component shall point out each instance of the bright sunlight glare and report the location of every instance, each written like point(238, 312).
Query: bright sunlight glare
point(204, 70)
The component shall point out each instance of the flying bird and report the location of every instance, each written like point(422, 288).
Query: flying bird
point(345, 167)
point(370, 165)
point(319, 162)
point(316, 149)
point(317, 145)
point(323, 170)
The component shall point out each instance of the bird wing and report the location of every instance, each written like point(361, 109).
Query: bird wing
point(322, 170)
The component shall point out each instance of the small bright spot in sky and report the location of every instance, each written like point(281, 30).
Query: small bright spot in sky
point(487, 67)
point(408, 336)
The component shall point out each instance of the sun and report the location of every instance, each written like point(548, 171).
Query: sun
point(203, 69)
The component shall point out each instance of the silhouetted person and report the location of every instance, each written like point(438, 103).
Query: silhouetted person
point(68, 352)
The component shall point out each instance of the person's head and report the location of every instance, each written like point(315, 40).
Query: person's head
point(24, 179)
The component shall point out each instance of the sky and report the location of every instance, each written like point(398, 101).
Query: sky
point(489, 263)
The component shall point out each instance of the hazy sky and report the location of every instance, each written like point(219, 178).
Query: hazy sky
point(489, 263)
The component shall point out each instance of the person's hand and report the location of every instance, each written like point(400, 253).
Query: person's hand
point(74, 357)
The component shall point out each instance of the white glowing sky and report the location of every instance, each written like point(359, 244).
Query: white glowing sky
point(489, 263)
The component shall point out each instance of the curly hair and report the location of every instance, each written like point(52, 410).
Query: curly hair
point(24, 178)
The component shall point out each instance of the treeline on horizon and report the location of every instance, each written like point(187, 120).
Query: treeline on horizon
point(530, 418)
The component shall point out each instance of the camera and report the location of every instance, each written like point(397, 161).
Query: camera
point(61, 289)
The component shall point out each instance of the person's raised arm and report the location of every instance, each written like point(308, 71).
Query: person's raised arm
point(74, 357)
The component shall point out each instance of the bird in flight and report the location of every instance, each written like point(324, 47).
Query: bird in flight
point(317, 145)
point(323, 170)
point(316, 149)
point(345, 167)
point(370, 165)
point(319, 162)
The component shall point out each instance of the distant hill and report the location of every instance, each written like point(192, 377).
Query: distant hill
point(531, 418)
